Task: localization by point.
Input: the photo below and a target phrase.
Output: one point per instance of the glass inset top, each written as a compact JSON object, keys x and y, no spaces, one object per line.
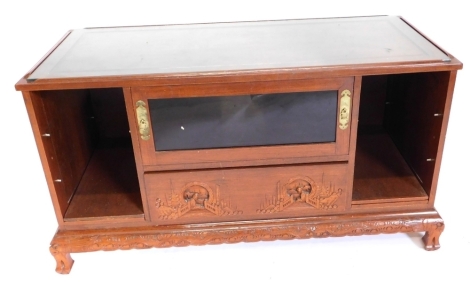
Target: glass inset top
{"x":220,"y":47}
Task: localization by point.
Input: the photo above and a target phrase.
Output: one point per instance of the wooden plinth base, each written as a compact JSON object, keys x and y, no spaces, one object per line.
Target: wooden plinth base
{"x":66,"y":242}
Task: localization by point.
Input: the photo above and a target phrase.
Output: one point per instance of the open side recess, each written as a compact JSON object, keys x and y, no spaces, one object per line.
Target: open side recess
{"x":400,"y":121}
{"x":86,"y":134}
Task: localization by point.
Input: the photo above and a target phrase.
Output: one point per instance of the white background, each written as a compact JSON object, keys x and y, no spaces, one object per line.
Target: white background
{"x":30,"y":28}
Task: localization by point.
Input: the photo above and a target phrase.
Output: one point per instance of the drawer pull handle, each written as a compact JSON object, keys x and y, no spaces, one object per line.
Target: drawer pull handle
{"x":344,"y":109}
{"x":142,"y":120}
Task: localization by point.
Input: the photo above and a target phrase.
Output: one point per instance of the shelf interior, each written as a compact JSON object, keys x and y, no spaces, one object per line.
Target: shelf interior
{"x":381,"y":174}
{"x":89,"y":149}
{"x":400,"y":121}
{"x":109,"y":187}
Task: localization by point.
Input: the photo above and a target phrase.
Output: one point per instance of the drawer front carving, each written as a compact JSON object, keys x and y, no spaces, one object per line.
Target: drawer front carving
{"x":302,"y":190}
{"x":193,"y":196}
{"x":246,"y":193}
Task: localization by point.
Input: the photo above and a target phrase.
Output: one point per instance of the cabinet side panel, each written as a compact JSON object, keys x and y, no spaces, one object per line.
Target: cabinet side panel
{"x":414,"y":119}
{"x":445,"y":121}
{"x":68,"y":117}
{"x":37,"y":116}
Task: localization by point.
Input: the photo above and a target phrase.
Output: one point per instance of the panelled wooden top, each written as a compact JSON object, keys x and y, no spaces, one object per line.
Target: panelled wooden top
{"x":111,"y":54}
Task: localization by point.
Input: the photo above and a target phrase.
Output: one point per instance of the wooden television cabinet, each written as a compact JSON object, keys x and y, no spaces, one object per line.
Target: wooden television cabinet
{"x":181,"y":135}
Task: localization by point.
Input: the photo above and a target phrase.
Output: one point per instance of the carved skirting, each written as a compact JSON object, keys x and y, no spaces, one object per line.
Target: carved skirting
{"x":66,"y":242}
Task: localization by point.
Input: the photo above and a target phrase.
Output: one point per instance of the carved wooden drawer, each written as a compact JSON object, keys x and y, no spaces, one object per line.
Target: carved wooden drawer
{"x":246,"y":193}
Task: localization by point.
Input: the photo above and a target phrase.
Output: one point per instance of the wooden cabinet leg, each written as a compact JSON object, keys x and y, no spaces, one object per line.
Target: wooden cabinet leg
{"x":64,"y":261}
{"x":431,"y":240}
{"x":431,"y":237}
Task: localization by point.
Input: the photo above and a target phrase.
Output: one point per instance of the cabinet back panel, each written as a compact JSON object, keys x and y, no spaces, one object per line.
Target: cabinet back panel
{"x":110,"y":117}
{"x":372,"y":107}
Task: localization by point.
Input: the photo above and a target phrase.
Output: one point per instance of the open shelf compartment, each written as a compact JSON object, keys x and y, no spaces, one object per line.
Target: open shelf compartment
{"x":109,"y":187}
{"x":400,"y":121}
{"x":381,"y":174}
{"x":89,"y":151}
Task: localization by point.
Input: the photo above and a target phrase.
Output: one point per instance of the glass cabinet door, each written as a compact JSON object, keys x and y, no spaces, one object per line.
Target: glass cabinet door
{"x":232,"y":123}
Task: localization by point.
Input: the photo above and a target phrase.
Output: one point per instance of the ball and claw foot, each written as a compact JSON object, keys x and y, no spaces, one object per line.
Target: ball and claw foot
{"x":64,"y":262}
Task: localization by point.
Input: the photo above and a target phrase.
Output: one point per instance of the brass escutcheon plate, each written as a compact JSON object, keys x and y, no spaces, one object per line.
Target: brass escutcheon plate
{"x":344,"y":109}
{"x":142,"y":120}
